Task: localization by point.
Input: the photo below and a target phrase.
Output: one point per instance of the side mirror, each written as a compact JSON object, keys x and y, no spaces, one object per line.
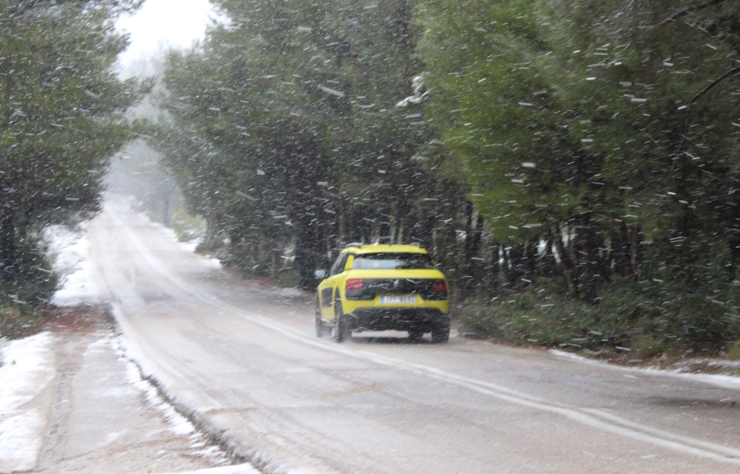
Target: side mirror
{"x":320,"y":274}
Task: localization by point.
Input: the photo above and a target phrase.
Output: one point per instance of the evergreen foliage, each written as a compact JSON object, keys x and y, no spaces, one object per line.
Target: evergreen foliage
{"x":285,"y":133}
{"x":61,"y":118}
{"x":607,"y":132}
{"x":574,"y":162}
{"x":579,"y":151}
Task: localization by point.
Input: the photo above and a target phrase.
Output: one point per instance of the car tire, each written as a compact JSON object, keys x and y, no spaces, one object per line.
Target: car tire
{"x":341,"y":331}
{"x":416,"y":335}
{"x":441,"y":331}
{"x":319,"y":322}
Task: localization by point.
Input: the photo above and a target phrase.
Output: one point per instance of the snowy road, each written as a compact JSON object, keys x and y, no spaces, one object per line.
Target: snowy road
{"x":245,"y":362}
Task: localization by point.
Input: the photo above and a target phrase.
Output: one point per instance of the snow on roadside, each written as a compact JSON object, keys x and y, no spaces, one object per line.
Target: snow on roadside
{"x":188,"y":246}
{"x":724,"y":381}
{"x":179,"y":424}
{"x":237,"y":469}
{"x":71,"y":251}
{"x":289,"y":292}
{"x":568,"y":355}
{"x":26,"y":370}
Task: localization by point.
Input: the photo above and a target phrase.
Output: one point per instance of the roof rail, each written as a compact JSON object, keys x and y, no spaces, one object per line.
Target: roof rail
{"x":354,"y":244}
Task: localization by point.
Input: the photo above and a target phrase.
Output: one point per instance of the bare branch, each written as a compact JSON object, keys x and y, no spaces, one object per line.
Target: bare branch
{"x":688,"y":11}
{"x":732,"y":72}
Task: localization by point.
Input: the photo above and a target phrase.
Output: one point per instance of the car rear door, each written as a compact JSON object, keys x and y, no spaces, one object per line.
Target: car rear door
{"x":328,"y":287}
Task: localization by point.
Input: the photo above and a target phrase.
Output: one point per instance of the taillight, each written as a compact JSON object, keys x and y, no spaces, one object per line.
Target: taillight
{"x":353,"y":284}
{"x":439,"y":285}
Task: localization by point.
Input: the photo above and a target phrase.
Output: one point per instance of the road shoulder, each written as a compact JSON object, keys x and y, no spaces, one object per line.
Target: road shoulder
{"x":77,"y":404}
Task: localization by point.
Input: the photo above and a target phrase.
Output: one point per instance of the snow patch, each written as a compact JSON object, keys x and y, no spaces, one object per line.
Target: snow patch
{"x":724,"y":381}
{"x":72,"y":261}
{"x":187,"y":246}
{"x":26,"y":370}
{"x":568,"y":355}
{"x":179,"y":424}
{"x":288,"y":292}
{"x":239,"y":469}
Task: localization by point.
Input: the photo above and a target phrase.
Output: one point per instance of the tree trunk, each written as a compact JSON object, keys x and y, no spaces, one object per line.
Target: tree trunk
{"x":495,"y":264}
{"x":636,"y":238}
{"x":468,"y":249}
{"x":547,"y":261}
{"x":274,"y":265}
{"x":8,"y":249}
{"x":569,"y":269}
{"x":426,"y":231}
{"x":384,"y":230}
{"x":514,"y":265}
{"x":477,"y":237}
{"x":447,"y":242}
{"x":399,"y":230}
{"x":342,"y":225}
{"x":308,"y":252}
{"x":587,"y":246}
{"x":620,"y":251}
{"x":210,"y":241}
{"x":529,"y":262}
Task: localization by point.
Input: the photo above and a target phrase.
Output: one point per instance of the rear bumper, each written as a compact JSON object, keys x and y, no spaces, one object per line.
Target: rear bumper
{"x":400,"y":319}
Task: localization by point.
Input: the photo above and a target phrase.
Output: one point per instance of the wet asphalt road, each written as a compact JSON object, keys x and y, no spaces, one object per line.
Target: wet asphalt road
{"x":243,"y":360}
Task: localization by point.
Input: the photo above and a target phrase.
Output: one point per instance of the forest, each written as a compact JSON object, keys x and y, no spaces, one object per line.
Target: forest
{"x":571,"y":165}
{"x":62,"y":117}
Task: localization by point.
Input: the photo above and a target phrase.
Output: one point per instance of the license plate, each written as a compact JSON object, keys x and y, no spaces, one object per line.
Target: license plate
{"x":398,"y":299}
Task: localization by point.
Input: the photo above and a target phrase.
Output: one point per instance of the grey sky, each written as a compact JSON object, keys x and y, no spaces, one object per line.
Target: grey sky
{"x":163,"y":23}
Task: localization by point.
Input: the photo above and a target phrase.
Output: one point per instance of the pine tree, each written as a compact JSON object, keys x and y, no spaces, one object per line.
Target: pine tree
{"x":61,"y":118}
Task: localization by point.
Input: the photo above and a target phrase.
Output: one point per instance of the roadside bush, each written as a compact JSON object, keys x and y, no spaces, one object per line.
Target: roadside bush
{"x":33,"y":282}
{"x":188,"y":228}
{"x":26,"y":291}
{"x":647,"y":319}
{"x":733,"y":352}
{"x":288,"y":278}
{"x":534,"y":315}
{"x":17,"y":322}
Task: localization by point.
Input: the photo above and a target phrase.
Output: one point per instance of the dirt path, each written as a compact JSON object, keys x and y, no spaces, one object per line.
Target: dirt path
{"x":104,"y":418}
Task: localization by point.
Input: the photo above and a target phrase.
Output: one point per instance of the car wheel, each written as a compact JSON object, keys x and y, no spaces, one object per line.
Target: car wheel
{"x":341,"y":331}
{"x":319,"y":322}
{"x":415,"y":335}
{"x":441,"y":331}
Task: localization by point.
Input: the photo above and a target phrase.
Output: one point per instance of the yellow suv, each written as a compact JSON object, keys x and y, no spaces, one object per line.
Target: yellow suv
{"x":383,"y":287}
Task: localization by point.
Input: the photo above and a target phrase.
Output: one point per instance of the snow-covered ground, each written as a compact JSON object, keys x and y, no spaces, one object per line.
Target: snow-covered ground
{"x":25,"y":371}
{"x":25,"y":393}
{"x":725,"y":381}
{"x":71,"y":252}
{"x":27,"y":367}
{"x":189,"y":246}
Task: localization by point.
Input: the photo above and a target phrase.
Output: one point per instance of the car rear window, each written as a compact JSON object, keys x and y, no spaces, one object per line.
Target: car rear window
{"x":392,"y":261}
